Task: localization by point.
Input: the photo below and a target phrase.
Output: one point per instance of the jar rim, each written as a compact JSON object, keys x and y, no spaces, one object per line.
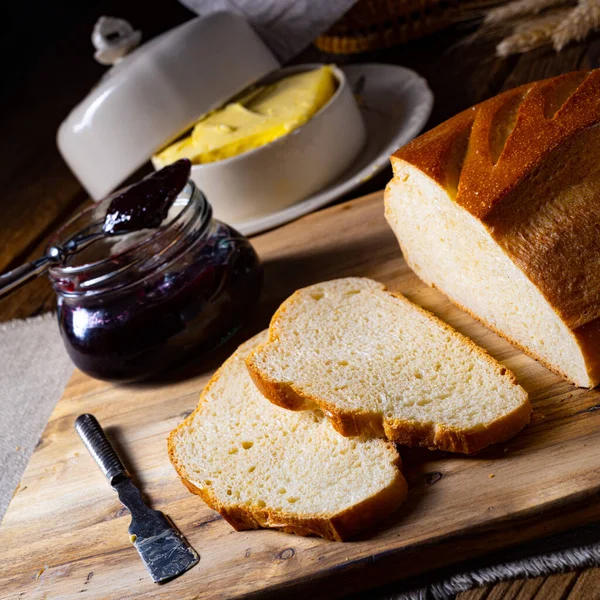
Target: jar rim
{"x":190,"y":190}
{"x":196,"y":210}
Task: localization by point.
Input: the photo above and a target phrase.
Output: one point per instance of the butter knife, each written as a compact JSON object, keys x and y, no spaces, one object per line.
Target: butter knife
{"x":163,"y":549}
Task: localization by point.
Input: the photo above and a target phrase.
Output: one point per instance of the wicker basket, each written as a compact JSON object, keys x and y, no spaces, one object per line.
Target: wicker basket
{"x":374,"y":24}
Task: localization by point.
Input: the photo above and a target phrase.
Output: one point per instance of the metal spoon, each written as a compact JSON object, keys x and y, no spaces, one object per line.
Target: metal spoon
{"x":55,"y":255}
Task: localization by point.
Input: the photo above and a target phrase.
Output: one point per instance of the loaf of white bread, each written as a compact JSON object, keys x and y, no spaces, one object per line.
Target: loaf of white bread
{"x":378,"y":365}
{"x":259,"y":465}
{"x":499,"y":208}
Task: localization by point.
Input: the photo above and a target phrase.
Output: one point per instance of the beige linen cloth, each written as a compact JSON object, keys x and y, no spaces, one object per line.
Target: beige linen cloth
{"x":34,"y":369}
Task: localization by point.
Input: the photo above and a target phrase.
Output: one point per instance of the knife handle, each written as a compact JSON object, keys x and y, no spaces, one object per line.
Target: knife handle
{"x":95,"y":440}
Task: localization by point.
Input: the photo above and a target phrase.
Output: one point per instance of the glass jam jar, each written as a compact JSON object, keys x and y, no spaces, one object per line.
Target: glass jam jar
{"x":130,"y":306}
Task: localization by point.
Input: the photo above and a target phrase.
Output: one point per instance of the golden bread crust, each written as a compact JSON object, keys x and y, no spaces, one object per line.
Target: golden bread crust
{"x":588,"y":338}
{"x":483,"y":182}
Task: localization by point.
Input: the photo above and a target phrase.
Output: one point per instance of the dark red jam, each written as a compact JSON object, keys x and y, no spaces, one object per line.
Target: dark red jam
{"x":154,"y":300}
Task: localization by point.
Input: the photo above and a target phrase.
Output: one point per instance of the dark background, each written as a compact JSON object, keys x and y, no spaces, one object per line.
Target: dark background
{"x":49,"y":67}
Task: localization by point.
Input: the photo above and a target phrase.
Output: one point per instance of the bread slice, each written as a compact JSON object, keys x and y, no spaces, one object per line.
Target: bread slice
{"x":259,"y":465}
{"x":499,"y":208}
{"x":377,"y":364}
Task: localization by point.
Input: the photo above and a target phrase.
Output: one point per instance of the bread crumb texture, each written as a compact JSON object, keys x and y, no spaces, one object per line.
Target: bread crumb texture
{"x":262,"y":466}
{"x":379,"y":365}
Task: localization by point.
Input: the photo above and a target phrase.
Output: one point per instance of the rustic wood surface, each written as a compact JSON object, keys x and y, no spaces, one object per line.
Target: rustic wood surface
{"x":39,"y":192}
{"x":65,"y":530}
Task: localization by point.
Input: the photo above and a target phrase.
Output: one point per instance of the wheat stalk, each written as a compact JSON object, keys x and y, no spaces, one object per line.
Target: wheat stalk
{"x":532,"y":33}
{"x":580,"y":21}
{"x":502,"y":14}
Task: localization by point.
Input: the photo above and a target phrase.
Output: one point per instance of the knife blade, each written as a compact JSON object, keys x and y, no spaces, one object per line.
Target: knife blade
{"x":161,"y":546}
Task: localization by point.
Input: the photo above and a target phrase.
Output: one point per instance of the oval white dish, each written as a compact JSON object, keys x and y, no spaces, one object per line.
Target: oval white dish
{"x":272,"y":177}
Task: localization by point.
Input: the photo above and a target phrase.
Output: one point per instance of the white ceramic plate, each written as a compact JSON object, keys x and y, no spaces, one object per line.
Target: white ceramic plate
{"x":395,"y":103}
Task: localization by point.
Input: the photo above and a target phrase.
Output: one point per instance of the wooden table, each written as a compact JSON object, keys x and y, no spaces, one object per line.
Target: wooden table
{"x":39,"y":192}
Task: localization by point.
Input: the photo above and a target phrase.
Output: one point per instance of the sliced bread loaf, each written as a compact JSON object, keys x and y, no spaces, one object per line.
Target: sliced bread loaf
{"x":499,"y":208}
{"x":377,"y":364}
{"x":259,"y":465}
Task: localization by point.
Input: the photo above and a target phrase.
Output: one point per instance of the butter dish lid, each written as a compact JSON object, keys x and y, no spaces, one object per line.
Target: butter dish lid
{"x":156,"y":92}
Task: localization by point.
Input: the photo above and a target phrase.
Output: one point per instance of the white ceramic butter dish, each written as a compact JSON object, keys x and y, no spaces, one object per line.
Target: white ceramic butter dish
{"x":156,"y":93}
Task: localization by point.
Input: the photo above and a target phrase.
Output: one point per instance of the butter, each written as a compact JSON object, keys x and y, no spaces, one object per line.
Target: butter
{"x":261,"y":116}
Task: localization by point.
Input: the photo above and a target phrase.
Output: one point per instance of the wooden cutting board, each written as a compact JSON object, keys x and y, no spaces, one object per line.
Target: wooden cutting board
{"x":65,"y":533}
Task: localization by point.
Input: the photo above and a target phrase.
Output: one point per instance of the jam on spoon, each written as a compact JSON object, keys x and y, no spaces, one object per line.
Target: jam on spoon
{"x":146,"y":204}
